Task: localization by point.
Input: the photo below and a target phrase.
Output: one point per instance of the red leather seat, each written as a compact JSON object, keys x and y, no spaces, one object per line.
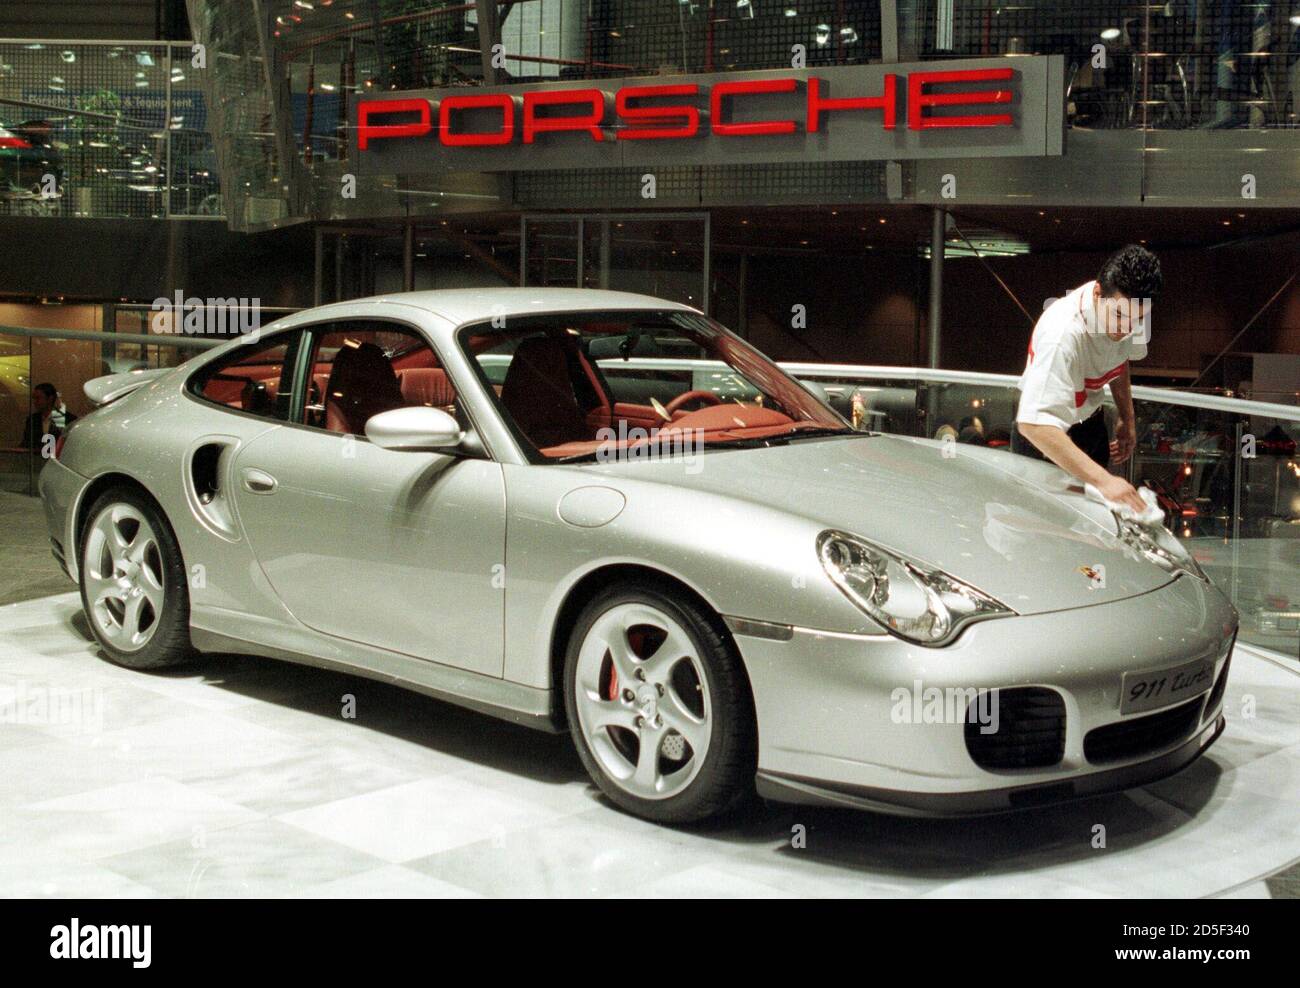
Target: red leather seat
{"x":426,"y":386}
{"x":538,"y":394}
{"x":361,"y":384}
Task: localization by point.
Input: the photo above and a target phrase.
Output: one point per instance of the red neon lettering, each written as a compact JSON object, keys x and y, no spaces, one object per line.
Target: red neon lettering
{"x":366,"y":131}
{"x":501,"y":101}
{"x":589,"y":121}
{"x":918,"y":100}
{"x":817,"y":104}
{"x":724,"y":89}
{"x":657,"y":121}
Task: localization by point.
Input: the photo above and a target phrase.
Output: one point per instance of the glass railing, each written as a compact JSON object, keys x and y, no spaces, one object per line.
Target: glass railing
{"x":34,"y":361}
{"x":31,"y":358}
{"x":1225,"y":470}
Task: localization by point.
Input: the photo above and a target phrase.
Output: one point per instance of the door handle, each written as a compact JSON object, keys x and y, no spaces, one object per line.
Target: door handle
{"x":258,"y":481}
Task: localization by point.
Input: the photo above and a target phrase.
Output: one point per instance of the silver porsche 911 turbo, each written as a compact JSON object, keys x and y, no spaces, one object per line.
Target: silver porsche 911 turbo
{"x":605,"y":513}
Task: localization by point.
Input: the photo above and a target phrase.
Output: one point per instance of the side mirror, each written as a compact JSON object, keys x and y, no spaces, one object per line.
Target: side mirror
{"x":417,"y":428}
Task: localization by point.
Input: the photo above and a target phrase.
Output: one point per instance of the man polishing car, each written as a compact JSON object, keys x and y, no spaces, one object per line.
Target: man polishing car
{"x":1082,"y":344}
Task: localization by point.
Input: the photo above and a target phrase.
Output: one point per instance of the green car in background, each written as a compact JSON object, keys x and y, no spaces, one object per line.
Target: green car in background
{"x":15,"y":388}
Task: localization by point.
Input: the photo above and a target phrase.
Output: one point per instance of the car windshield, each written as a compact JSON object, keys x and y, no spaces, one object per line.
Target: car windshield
{"x":597,"y":385}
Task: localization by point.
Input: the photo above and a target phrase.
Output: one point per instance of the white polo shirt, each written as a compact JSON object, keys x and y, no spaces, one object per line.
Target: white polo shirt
{"x":1071,"y":360}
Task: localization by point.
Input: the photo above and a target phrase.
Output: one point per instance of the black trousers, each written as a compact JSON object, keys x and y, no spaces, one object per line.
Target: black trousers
{"x":1090,"y":435}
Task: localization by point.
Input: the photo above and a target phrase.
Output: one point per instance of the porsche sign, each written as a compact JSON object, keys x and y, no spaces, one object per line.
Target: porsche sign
{"x":950,"y":109}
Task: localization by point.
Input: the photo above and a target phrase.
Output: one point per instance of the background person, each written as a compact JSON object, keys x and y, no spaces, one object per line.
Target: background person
{"x":1081,"y":345}
{"x":49,"y":417}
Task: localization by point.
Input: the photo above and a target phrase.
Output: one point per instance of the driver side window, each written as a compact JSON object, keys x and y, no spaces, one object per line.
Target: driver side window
{"x":359,"y":369}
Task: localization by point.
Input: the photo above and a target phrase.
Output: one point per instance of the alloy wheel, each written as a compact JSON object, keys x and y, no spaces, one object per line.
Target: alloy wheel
{"x":643,"y":701}
{"x":124,"y":577}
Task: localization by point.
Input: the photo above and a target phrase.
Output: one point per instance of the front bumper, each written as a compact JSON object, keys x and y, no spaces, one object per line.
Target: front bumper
{"x":838,"y":722}
{"x":788,"y":789}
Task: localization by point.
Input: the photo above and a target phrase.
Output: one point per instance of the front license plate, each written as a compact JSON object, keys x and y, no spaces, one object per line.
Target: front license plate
{"x":1163,"y":687}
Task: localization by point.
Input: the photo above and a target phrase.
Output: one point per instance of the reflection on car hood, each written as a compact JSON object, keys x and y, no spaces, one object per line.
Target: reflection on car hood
{"x":1014,"y":527}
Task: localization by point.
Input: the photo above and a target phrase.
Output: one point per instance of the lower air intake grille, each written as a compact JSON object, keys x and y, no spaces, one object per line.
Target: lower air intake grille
{"x":1030,"y":728}
{"x":1141,"y":735}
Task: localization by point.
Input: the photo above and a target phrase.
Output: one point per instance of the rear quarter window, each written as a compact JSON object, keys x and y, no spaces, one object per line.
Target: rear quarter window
{"x":251,"y":378}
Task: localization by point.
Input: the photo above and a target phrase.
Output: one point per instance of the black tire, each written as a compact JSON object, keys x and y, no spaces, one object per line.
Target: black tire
{"x":169,"y":643}
{"x":726,"y":777}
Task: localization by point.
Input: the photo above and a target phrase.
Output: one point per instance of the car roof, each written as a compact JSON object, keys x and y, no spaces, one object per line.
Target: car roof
{"x":462,"y":305}
{"x":458,"y":306}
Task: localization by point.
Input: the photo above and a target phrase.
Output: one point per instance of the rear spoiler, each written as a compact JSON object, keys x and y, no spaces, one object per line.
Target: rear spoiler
{"x":102,"y":390}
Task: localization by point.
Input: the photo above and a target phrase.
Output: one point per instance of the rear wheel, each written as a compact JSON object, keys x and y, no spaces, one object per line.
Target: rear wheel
{"x":133,"y":585}
{"x":659,"y":706}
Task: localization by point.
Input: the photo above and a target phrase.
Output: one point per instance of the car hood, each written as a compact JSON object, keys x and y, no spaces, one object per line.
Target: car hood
{"x":1016,"y":528}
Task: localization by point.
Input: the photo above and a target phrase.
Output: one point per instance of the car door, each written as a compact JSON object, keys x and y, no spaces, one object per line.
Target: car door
{"x":403,"y":551}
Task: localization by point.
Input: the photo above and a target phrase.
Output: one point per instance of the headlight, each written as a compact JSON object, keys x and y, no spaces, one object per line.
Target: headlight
{"x":909,"y":599}
{"x":1159,"y":546}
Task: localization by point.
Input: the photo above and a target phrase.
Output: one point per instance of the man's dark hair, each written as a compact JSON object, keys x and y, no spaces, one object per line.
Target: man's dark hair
{"x":1133,"y":272}
{"x":49,"y":390}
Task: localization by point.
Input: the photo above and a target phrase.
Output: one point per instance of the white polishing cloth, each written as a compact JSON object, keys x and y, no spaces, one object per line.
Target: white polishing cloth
{"x":1151,"y":516}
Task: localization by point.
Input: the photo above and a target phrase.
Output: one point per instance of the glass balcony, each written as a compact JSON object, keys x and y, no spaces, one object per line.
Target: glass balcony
{"x":104,"y":130}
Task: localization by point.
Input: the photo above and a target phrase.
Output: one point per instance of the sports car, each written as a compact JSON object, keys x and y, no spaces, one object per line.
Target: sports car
{"x":604,"y":513}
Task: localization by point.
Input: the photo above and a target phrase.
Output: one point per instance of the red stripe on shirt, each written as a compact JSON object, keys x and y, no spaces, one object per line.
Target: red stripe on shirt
{"x":1093,"y":383}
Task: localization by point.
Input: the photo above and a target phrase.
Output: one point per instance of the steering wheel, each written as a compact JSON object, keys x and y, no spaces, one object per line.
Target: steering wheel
{"x":708,"y":397}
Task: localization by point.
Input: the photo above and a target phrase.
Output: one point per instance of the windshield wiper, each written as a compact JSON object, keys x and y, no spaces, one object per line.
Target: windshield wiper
{"x":576,"y":457}
{"x":818,"y":433}
{"x":739,"y":442}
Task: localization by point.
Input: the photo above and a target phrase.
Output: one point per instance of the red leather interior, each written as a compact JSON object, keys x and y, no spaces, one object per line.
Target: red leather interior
{"x":321,"y":381}
{"x":426,"y":386}
{"x":361,"y":384}
{"x":233,"y":386}
{"x":730,"y":417}
{"x":725,"y":421}
{"x":643,"y":416}
{"x":538,"y":394}
{"x":421,"y":356}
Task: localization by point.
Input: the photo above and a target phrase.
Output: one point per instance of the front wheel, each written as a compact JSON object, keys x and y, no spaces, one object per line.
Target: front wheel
{"x":133,"y":585}
{"x":659,"y":706}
